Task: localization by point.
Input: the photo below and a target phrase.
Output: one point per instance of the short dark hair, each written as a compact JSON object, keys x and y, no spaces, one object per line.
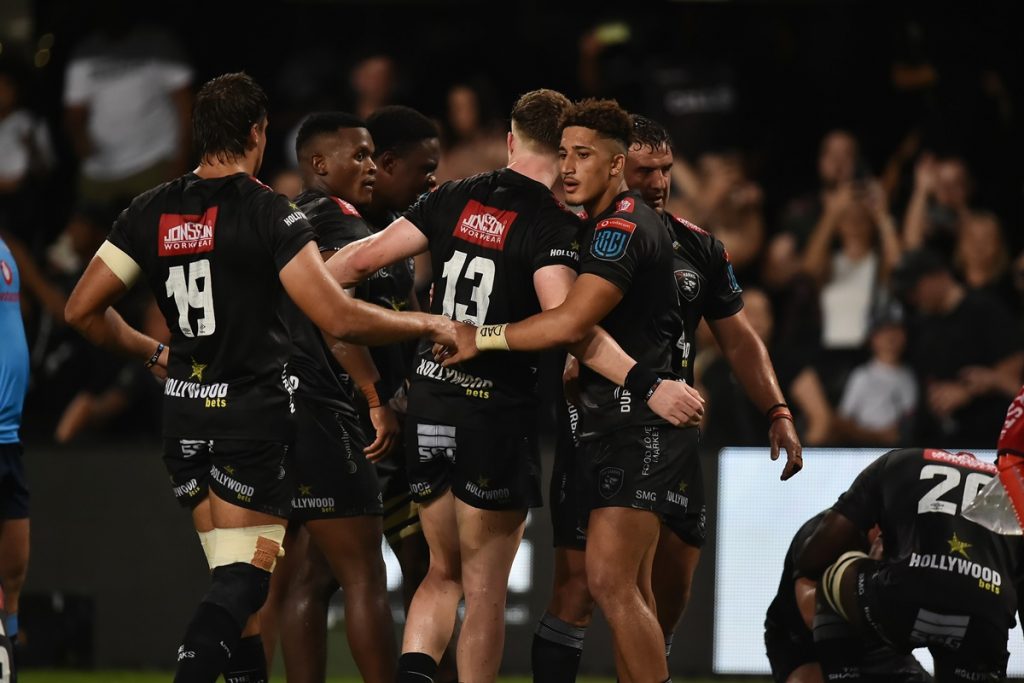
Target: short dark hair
{"x":604,"y":116}
{"x":537,"y":115}
{"x":224,"y":112}
{"x":322,"y":122}
{"x":396,"y":128}
{"x":649,"y":133}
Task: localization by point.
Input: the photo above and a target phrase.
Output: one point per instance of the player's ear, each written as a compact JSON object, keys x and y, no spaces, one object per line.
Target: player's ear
{"x":319,"y":163}
{"x":510,"y":141}
{"x":386,"y":162}
{"x":618,"y":163}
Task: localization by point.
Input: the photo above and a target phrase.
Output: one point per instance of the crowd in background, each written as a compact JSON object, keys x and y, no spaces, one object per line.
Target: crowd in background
{"x":885,"y":273}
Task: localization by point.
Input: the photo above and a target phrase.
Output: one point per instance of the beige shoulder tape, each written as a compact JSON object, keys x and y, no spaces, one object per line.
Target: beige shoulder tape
{"x":120,"y":263}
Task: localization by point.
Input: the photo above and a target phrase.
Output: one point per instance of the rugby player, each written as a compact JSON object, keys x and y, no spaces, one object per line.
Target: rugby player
{"x":14,"y":497}
{"x":943,"y":582}
{"x":708,"y":290}
{"x":219,"y":250}
{"x":633,"y":457}
{"x":789,"y":641}
{"x":502,"y":248}
{"x":337,"y":501}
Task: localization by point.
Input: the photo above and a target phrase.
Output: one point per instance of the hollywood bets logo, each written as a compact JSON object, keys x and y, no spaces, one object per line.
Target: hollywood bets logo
{"x":484,"y":225}
{"x":186,"y":234}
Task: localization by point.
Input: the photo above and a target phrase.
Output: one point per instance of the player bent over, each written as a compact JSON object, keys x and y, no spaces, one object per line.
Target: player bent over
{"x":219,"y":249}
{"x":943,"y":582}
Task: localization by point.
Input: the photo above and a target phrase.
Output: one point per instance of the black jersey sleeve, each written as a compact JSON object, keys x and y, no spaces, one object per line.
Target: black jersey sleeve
{"x":726,"y":294}
{"x":420,"y":214}
{"x":284,"y":228}
{"x":557,"y":241}
{"x":862,"y":503}
{"x":618,"y":249}
{"x":337,"y":229}
{"x":120,"y":235}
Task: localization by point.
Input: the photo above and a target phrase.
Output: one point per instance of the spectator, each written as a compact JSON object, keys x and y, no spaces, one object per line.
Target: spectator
{"x":732,"y":420}
{"x":287,"y":182}
{"x":473,"y":142}
{"x":938,"y":205}
{"x":966,"y":352}
{"x":880,"y":397}
{"x":718,"y":195}
{"x":982,"y":258}
{"x":838,"y":164}
{"x":128,"y":104}
{"x":374,"y":82}
{"x":850,"y":254}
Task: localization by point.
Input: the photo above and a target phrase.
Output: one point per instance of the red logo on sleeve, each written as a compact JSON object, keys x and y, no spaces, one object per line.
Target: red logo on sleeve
{"x":346,"y":208}
{"x":963,"y":459}
{"x":186,"y":234}
{"x":484,"y":225}
{"x":625,"y":205}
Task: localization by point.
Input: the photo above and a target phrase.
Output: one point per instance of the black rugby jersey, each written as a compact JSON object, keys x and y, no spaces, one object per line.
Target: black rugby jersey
{"x":783,"y":613}
{"x":629,"y":245}
{"x":211,"y":251}
{"x":937,"y":557}
{"x":706,"y":282}
{"x":488,"y":234}
{"x":318,"y":376}
{"x":391,"y":287}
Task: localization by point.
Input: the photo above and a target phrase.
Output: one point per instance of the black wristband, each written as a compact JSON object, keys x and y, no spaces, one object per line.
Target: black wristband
{"x":642,"y":382}
{"x":156,"y":355}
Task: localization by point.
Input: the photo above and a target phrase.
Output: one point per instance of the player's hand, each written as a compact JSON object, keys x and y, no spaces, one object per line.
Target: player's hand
{"x":571,"y":380}
{"x":463,"y":348}
{"x":782,"y":434}
{"x":385,"y":422}
{"x":442,"y":330}
{"x":159,"y":369}
{"x":677,"y":402}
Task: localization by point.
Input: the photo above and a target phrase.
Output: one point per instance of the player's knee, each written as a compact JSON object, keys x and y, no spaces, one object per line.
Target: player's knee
{"x":241,"y":560}
{"x":609,"y":583}
{"x":240,"y":589}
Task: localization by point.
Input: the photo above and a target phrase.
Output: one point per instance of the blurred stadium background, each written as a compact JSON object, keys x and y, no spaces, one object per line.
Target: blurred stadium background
{"x":776,"y":107}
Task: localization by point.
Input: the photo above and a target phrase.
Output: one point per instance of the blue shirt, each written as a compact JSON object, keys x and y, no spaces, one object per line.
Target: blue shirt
{"x":13,"y":349}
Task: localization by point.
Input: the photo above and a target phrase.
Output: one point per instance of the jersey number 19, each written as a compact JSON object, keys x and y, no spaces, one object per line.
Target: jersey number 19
{"x":188,"y":294}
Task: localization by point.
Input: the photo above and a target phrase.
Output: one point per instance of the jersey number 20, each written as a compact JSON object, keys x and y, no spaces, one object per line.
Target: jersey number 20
{"x":481,"y":294}
{"x":188,"y":294}
{"x":930,"y":502}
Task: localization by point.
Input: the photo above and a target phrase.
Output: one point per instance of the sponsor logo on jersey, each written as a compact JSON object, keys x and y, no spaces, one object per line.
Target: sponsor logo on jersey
{"x":690,"y":226}
{"x":625,"y":205}
{"x":988,"y":579}
{"x":734,"y":284}
{"x":962,"y":459}
{"x":688,"y":283}
{"x":678,"y":497}
{"x":186,"y":233}
{"x":6,"y":272}
{"x":611,"y":236}
{"x":189,"y":489}
{"x":292,"y":218}
{"x":307,"y":501}
{"x":428,"y":368}
{"x":191,"y":447}
{"x":346,"y":208}
{"x":177,"y":388}
{"x":609,"y":481}
{"x":484,"y":225}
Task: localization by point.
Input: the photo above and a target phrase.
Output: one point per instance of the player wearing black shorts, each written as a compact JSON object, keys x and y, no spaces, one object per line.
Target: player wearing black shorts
{"x":501,"y":248}
{"x":707,"y":289}
{"x":788,"y":639}
{"x":335,"y":535}
{"x":943,"y":582}
{"x":630,"y":451}
{"x":219,"y":250}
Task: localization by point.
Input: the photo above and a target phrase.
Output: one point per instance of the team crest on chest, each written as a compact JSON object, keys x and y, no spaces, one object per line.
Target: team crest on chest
{"x":688,"y":283}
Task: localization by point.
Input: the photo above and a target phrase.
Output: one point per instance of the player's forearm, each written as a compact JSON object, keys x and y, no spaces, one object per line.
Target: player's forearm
{"x":557,"y":327}
{"x":602,"y":354}
{"x":371,"y":325}
{"x":352,"y":264}
{"x":107,"y":329}
{"x":357,"y":362}
{"x":752,"y":366}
